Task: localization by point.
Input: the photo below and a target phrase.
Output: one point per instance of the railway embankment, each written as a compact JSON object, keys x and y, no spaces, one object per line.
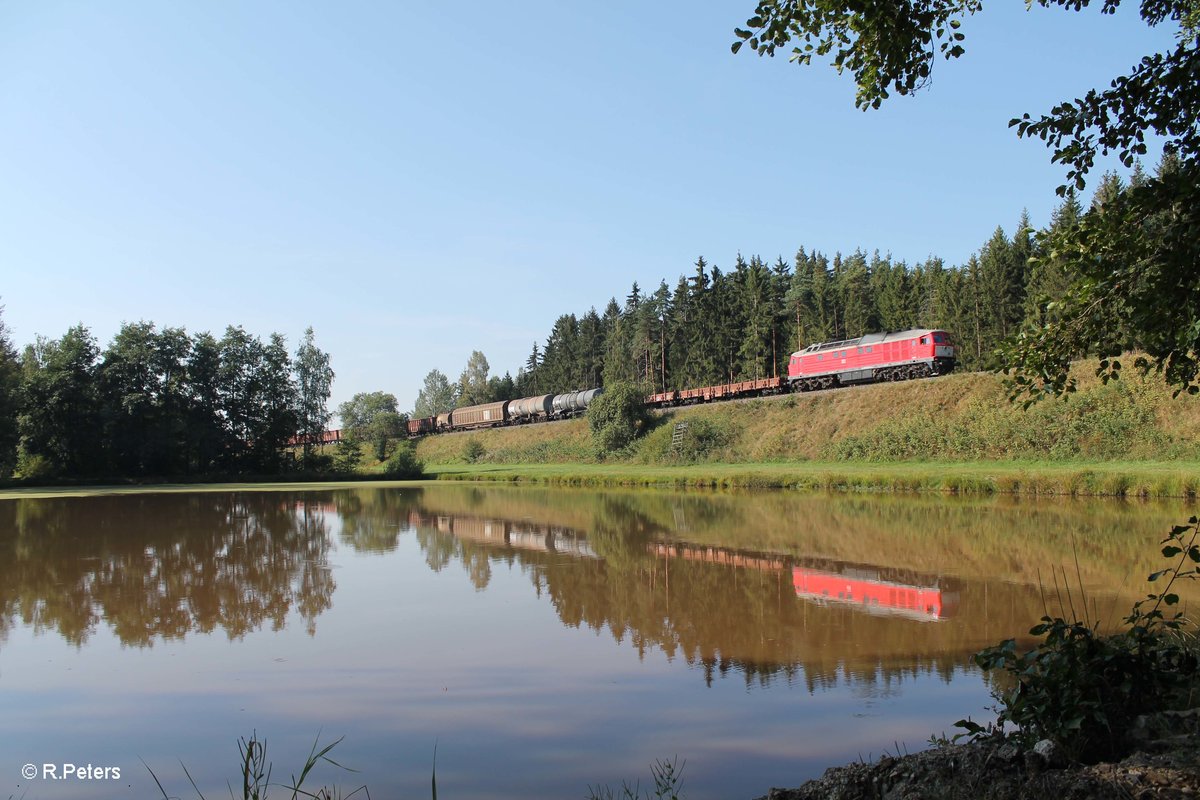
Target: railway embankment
{"x":956,"y":433}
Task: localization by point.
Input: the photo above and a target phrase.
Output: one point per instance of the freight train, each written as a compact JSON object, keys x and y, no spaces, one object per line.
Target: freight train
{"x":895,"y":356}
{"x":539,"y":408}
{"x":917,"y":353}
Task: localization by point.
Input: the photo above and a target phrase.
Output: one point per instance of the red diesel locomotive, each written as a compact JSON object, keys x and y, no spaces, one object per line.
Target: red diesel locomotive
{"x":918,"y":353}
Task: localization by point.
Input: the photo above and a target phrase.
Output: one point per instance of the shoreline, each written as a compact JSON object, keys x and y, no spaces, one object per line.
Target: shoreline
{"x":1140,"y":480}
{"x":1099,"y":479}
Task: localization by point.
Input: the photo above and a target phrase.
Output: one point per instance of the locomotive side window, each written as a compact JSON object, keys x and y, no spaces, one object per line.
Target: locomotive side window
{"x":924,"y":340}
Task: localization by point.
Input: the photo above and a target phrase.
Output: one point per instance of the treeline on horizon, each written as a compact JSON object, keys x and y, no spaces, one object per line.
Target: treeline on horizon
{"x":720,"y":326}
{"x":160,"y":403}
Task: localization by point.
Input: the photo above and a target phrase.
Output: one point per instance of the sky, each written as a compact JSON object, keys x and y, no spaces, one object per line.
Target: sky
{"x":419,"y":180}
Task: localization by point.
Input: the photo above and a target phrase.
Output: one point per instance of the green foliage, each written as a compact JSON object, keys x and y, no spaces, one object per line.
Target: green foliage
{"x":1083,"y":690}
{"x":668,"y":784}
{"x":473,"y":450}
{"x":616,"y":417}
{"x":34,"y":467}
{"x":404,"y":463}
{"x":314,"y":384}
{"x":372,"y":417}
{"x":347,"y":455}
{"x":884,"y":47}
{"x":256,"y":773}
{"x":1133,"y":267}
{"x":702,"y":439}
{"x":437,"y":395}
{"x":10,"y":388}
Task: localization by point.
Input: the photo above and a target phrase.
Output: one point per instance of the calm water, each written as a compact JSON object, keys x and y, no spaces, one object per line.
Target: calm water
{"x":543,"y":640}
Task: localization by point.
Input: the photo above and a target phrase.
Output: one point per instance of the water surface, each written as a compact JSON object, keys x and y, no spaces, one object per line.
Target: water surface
{"x":544,"y":640}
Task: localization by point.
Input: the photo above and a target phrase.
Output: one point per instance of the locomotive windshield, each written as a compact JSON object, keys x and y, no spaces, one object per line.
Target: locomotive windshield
{"x":941,"y":338}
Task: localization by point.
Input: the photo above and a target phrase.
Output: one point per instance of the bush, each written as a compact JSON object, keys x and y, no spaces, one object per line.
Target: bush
{"x":1083,"y":690}
{"x":346,"y":456}
{"x":617,"y":417}
{"x":702,"y":439}
{"x":404,"y":463}
{"x":32,"y":467}
{"x":473,"y":450}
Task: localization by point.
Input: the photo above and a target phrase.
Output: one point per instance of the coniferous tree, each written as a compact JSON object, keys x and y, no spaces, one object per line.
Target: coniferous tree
{"x":679,"y":335}
{"x":701,"y":365}
{"x":618,"y":359}
{"x":591,"y":349}
{"x":755,"y":356}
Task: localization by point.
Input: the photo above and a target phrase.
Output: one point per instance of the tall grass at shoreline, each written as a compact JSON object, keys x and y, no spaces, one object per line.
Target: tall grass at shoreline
{"x":1120,"y":479}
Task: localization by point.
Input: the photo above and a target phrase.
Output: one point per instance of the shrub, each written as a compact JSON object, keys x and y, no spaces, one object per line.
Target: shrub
{"x":1083,"y":690}
{"x":473,"y":450}
{"x":404,"y":463}
{"x":617,"y":417}
{"x":701,"y":440}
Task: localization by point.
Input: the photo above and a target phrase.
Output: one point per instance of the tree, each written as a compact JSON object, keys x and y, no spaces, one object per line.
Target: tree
{"x":61,"y":410}
{"x":141,"y":382}
{"x":277,"y":405}
{"x":10,"y":387}
{"x":437,"y":396}
{"x":372,"y":417}
{"x":1131,"y":261}
{"x":204,"y":426}
{"x":314,"y":384}
{"x":473,"y":383}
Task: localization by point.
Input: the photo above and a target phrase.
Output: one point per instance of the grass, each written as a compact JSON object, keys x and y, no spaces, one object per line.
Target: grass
{"x":667,"y":777}
{"x":1141,"y":479}
{"x":256,"y":774}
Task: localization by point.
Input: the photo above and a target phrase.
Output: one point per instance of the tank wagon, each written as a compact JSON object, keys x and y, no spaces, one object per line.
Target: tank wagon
{"x":538,"y":408}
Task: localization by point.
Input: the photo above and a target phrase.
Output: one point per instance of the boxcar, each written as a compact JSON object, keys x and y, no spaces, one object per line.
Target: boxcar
{"x":484,"y":416}
{"x":416,"y":427}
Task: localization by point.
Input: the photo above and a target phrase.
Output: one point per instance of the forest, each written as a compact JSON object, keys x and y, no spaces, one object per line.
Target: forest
{"x":159,"y":403}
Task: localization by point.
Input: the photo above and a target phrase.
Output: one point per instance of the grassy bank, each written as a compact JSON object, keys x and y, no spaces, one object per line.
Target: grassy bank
{"x":952,"y":434}
{"x":1115,"y":479}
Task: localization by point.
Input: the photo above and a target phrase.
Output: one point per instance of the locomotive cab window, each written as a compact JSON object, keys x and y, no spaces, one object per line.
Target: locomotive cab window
{"x":924,"y":340}
{"x":940,"y":338}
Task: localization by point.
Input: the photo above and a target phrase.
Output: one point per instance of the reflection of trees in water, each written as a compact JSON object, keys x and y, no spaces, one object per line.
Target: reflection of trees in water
{"x":731,"y":618}
{"x":161,"y":566}
{"x":721,"y":618}
{"x":371,"y":518}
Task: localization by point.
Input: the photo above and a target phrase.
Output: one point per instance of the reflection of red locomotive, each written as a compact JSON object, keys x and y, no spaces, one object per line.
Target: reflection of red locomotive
{"x":867,"y":590}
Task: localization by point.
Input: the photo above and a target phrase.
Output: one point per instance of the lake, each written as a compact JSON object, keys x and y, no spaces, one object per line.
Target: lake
{"x":541,"y":640}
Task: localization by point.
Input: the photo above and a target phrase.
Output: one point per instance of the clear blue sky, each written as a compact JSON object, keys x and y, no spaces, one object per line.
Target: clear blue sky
{"x":417,"y":180}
